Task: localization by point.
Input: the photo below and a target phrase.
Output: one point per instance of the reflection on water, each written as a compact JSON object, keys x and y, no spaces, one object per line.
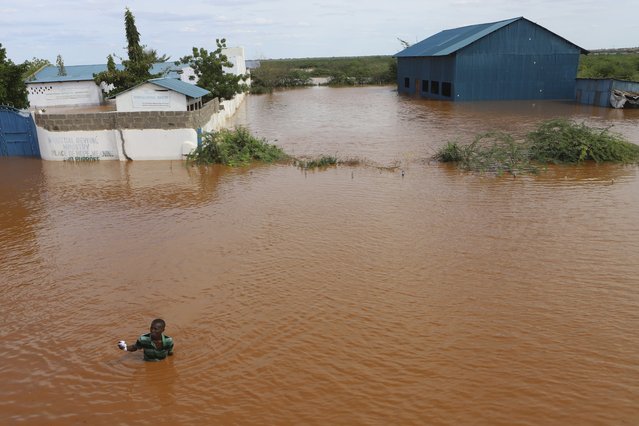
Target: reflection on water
{"x":348,"y":296}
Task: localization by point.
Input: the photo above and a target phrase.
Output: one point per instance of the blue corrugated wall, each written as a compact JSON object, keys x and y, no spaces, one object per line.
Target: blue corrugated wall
{"x":597,"y":92}
{"x":519,"y":61}
{"x":422,"y":72}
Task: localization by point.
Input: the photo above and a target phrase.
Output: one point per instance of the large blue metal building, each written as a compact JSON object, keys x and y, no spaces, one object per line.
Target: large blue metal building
{"x":511,"y":59}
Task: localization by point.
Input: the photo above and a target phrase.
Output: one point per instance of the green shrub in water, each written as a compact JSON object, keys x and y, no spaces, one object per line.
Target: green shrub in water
{"x":554,"y":141}
{"x":494,"y":152}
{"x":316,"y":163}
{"x":234,"y":148}
{"x":564,"y":141}
{"x":449,"y":153}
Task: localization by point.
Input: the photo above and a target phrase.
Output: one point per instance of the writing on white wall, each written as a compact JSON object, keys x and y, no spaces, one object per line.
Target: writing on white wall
{"x":78,"y":148}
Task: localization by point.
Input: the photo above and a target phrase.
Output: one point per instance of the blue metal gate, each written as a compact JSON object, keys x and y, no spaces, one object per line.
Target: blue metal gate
{"x":18,"y":136}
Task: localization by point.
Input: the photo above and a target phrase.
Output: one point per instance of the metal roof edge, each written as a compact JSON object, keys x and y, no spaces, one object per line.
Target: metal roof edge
{"x":158,"y":81}
{"x":154,"y":82}
{"x":492,"y":27}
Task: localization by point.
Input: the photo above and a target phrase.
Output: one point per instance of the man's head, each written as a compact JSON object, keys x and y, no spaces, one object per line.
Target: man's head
{"x":157,"y":328}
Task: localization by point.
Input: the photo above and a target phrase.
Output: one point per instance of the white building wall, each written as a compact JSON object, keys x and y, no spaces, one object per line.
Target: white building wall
{"x":219,"y":120}
{"x":236,"y":56}
{"x":129,"y":144}
{"x":149,"y":97}
{"x":68,"y":93}
{"x":155,"y":144}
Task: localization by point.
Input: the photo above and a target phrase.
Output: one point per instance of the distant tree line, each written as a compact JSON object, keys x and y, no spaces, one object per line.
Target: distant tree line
{"x":349,"y":71}
{"x":622,"y":66}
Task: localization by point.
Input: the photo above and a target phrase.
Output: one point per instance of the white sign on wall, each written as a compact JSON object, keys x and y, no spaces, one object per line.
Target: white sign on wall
{"x":150,"y":99}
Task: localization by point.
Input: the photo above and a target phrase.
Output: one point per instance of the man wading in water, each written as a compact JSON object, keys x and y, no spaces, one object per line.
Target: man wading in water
{"x":155,"y":344}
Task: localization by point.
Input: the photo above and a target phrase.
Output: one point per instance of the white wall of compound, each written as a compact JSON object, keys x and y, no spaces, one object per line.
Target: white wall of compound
{"x":129,"y":144}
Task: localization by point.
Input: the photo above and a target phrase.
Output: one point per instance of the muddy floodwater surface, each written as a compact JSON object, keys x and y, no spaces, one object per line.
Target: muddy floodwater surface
{"x":351,"y":295}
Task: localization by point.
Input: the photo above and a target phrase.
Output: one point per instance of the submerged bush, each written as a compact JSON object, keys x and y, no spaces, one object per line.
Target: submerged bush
{"x":564,"y":141}
{"x":495,"y":152}
{"x":315,"y":163}
{"x":554,"y":141}
{"x":234,"y":148}
{"x":325,"y":161}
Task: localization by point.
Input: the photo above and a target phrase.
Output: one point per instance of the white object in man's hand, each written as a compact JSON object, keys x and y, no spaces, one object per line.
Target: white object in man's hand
{"x":122,"y":345}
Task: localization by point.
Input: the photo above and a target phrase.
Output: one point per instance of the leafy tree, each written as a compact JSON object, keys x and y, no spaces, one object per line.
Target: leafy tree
{"x":136,"y":68}
{"x":154,"y":56}
{"x":110,"y":64}
{"x":13,"y":90}
{"x":209,"y":70}
{"x":134,"y":49}
{"x":60,"y":64}
{"x":33,"y":66}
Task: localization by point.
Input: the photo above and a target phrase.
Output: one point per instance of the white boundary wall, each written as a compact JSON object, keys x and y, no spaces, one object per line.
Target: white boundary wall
{"x":129,"y":144}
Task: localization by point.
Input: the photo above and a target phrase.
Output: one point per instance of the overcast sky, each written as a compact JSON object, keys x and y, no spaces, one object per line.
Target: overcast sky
{"x":86,"y":31}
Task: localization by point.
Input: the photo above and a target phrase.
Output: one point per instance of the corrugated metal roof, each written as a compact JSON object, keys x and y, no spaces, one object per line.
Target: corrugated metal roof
{"x":450,"y":41}
{"x":49,"y":74}
{"x":180,"y":86}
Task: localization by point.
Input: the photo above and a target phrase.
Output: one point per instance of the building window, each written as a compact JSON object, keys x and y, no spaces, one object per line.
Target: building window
{"x":434,"y":87}
{"x":447,"y":89}
{"x":425,"y":86}
{"x":406,"y":82}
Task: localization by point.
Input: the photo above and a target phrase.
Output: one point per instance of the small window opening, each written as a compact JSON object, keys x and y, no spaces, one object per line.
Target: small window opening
{"x":447,"y":89}
{"x":434,"y":87}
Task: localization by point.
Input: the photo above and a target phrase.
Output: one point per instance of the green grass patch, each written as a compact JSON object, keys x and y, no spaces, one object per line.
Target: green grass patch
{"x":557,"y":141}
{"x":235,"y":147}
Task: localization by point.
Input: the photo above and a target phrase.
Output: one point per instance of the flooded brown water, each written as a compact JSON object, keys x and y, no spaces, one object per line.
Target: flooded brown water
{"x":346,"y":296}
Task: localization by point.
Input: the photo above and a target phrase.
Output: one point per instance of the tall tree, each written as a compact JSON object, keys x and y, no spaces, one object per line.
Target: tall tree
{"x":209,"y":70}
{"x":134,"y":49}
{"x":60,"y":64}
{"x":13,"y":90}
{"x":137,"y":68}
